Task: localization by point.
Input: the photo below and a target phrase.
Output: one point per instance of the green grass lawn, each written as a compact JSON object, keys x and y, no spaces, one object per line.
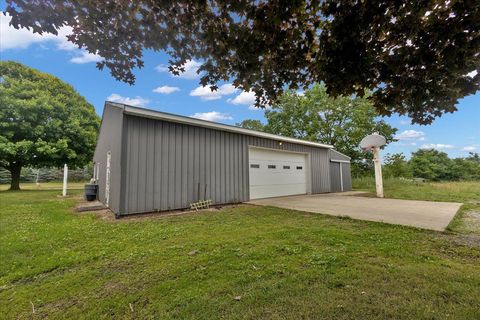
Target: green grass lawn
{"x":240,"y":262}
{"x":462,"y":191}
{"x":45,"y":186}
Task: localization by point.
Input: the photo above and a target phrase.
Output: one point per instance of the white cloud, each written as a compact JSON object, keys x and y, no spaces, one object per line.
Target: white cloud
{"x":162,"y":68}
{"x":247,"y":98}
{"x":205,"y":93}
{"x":406,"y":143}
{"x":166,"y":89}
{"x":137,"y":101}
{"x":244,"y":98}
{"x":11,"y":38}
{"x":471,"y":148}
{"x":212,"y":116}
{"x":191,"y":67}
{"x":86,"y":57}
{"x":411,"y":135}
{"x":253,"y":108}
{"x":437,"y":146}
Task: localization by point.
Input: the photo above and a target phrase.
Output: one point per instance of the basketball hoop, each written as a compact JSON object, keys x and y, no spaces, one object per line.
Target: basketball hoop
{"x":373,"y":143}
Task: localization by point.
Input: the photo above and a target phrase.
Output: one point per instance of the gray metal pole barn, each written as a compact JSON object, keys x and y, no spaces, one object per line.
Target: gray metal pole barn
{"x":149,"y":161}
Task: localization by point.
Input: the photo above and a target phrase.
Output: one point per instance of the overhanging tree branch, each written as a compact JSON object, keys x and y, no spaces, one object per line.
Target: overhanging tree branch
{"x":418,"y":57}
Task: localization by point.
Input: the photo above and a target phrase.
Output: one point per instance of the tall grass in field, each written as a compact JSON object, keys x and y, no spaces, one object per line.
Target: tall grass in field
{"x":456,"y":191}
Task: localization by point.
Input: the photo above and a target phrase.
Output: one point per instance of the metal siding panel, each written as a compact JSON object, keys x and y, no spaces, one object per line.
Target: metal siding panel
{"x":335,"y":177}
{"x":347,"y":178}
{"x":222,"y":167}
{"x":110,"y":138}
{"x":207,"y":164}
{"x":171,"y":166}
{"x":134,"y":170}
{"x":241,"y":181}
{"x":164,"y":170}
{"x":246,"y":179}
{"x":218,"y":197}
{"x":237,"y":179}
{"x":150,"y":167}
{"x":201,"y":164}
{"x":134,"y":167}
{"x":337,"y":156}
{"x":245,"y":168}
{"x":190,"y":180}
{"x":196,"y":167}
{"x":177,"y":168}
{"x":232,"y":168}
{"x":158,"y":166}
{"x":124,"y":167}
{"x":142,"y":161}
{"x":184,"y":165}
{"x":227,"y":167}
{"x":130,"y":167}
{"x":233,"y":175}
{"x":317,"y":173}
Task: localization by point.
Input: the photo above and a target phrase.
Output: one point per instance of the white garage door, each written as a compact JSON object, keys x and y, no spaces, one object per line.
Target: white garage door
{"x":276,"y":173}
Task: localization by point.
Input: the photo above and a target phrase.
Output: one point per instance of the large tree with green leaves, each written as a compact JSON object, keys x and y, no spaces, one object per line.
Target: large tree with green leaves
{"x":44,"y":122}
{"x":316,"y":116}
{"x":417,"y":57}
{"x":396,"y":165}
{"x":432,"y":164}
{"x":435,"y":165}
{"x":251,"y":124}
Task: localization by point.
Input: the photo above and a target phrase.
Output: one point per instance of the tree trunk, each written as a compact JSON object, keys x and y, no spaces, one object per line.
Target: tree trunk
{"x":15,"y":173}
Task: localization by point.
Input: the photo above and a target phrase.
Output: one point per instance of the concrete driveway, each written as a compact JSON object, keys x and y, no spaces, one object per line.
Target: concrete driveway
{"x":421,"y":214}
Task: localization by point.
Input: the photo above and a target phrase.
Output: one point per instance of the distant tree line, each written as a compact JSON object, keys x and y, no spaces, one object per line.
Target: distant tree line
{"x":432,"y":165}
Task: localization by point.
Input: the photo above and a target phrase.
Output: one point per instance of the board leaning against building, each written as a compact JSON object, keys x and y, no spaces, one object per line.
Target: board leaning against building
{"x":148,"y":161}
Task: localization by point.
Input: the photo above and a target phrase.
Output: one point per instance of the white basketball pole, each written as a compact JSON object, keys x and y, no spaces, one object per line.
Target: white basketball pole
{"x":377,"y":161}
{"x":65,"y":178}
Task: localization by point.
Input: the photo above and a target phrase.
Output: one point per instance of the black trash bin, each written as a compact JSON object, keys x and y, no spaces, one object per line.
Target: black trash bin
{"x":91,"y":192}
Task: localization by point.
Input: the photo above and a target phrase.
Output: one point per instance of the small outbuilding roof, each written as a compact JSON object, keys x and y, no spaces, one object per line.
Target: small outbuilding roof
{"x":147,"y":113}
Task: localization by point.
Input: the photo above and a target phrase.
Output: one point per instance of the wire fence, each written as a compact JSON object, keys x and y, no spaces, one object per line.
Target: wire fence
{"x":48,"y":175}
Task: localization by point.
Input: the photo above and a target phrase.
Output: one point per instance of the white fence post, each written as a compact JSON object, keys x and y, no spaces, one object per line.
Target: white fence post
{"x":65,"y":179}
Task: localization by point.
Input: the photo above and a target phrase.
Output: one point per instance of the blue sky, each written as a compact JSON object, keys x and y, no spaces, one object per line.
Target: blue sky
{"x":155,"y":88}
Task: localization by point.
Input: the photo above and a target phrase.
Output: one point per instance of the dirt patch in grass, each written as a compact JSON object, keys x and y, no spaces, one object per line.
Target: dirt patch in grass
{"x":105,"y":215}
{"x":470,"y":240}
{"x":471,"y":222}
{"x":173,"y":213}
{"x":109,"y":216}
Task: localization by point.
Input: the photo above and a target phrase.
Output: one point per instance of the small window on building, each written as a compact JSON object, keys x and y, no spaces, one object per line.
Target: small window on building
{"x":286,"y":167}
{"x":255,"y":166}
{"x":299,"y":168}
{"x":271,"y":166}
